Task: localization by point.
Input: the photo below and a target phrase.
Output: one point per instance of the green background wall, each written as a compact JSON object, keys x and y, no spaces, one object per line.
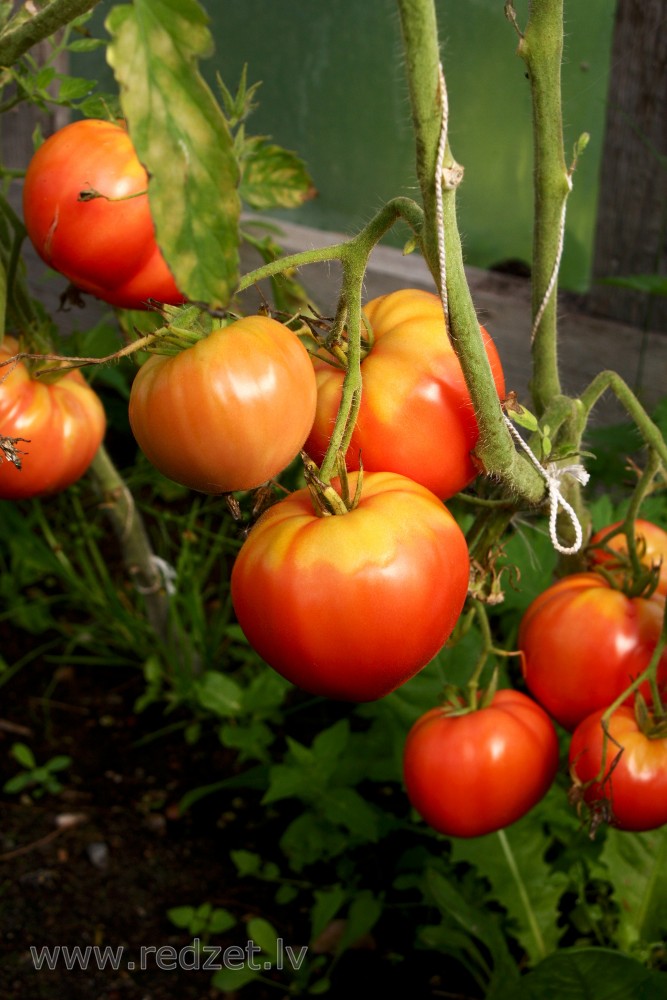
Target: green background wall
{"x":333,"y":89}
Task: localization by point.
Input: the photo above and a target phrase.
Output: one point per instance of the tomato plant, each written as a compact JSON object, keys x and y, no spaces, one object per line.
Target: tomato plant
{"x":61,"y":421}
{"x":416,"y":416}
{"x":633,"y":782}
{"x":350,"y":606}
{"x":85,"y":206}
{"x":473,"y":773}
{"x":652,"y":549}
{"x":229,"y":412}
{"x":584,"y":642}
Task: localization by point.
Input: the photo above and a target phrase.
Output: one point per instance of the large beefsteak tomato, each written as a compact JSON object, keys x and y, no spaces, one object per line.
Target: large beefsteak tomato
{"x":85,"y":206}
{"x":229,"y":412}
{"x":583,"y":643}
{"x":634,"y":781}
{"x":415,"y":416}
{"x":472,"y":774}
{"x":350,"y":606}
{"x":61,"y":421}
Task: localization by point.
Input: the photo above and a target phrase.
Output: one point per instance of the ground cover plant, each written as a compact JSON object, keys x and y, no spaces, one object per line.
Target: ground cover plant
{"x":377,"y":648}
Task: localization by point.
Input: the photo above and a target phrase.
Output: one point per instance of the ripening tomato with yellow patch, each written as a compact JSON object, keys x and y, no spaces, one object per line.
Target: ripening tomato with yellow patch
{"x":415,"y":417}
{"x":611,"y":554}
{"x":352,"y":605}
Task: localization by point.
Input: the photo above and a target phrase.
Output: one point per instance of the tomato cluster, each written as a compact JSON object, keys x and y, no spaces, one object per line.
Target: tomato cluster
{"x":585,"y":642}
{"x":349,"y":601}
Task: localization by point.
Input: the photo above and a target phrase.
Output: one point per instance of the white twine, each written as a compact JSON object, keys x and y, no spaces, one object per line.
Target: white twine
{"x":439,"y":181}
{"x":556,"y":268}
{"x":553,"y":475}
{"x":167,"y":575}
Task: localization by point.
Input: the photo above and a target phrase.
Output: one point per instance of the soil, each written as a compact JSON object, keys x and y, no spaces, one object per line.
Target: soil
{"x":129,"y":855}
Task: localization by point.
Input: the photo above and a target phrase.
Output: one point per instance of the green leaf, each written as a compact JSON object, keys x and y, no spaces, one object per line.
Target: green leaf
{"x":522,"y":881}
{"x":219,"y":694}
{"x":72,"y":88}
{"x":650,"y":284}
{"x":478,"y":925}
{"x":364,"y":912}
{"x":58,"y":763}
{"x":221,"y":920}
{"x":273,"y":177}
{"x":23,"y":755}
{"x":587,"y":974}
{"x":230,"y":980}
{"x":347,"y":808}
{"x":246,"y":862}
{"x":327,"y":904}
{"x":182,"y":138}
{"x":636,"y":864}
{"x":181,"y":916}
{"x":262,"y":933}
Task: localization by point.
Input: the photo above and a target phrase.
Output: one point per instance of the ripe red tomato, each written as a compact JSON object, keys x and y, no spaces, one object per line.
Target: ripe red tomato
{"x":228,"y":413}
{"x":62,"y":421}
{"x":635,"y":787}
{"x":653,"y":545}
{"x":350,"y":606}
{"x":583,"y":643}
{"x":468,"y":775}
{"x":105,"y":246}
{"x":416,"y":416}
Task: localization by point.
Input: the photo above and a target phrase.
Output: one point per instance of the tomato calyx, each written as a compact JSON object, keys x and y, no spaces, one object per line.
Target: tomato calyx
{"x":328,"y":502}
{"x":333,"y":348}
{"x":652,"y":721}
{"x":626,"y":570}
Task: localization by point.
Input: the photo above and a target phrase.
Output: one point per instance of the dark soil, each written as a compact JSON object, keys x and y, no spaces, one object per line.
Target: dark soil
{"x":129,"y":855}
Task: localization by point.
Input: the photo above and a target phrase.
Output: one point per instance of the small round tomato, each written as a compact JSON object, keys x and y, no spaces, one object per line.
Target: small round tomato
{"x":468,"y":775}
{"x":652,"y":543}
{"x":583,"y":643}
{"x":633,"y":785}
{"x":61,"y":421}
{"x":86,"y":211}
{"x":416,"y":416}
{"x":228,"y":413}
{"x":350,"y":606}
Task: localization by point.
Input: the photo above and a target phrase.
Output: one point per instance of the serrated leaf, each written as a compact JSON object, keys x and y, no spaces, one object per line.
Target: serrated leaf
{"x":347,"y":808}
{"x":72,"y":88}
{"x":522,"y":881}
{"x":181,"y":916}
{"x":246,"y":862}
{"x":636,"y":864}
{"x":587,"y":974}
{"x":182,"y":138}
{"x":273,"y":177}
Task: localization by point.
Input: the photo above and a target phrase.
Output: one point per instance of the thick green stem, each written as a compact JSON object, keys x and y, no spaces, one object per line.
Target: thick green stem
{"x":541,"y":49}
{"x":495,"y":450}
{"x":16,"y":41}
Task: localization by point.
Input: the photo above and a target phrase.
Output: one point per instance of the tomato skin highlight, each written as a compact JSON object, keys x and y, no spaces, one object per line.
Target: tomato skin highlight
{"x":228,"y":413}
{"x":63,"y":420}
{"x":636,"y":787}
{"x":583,"y":644}
{"x":654,"y":539}
{"x":104,"y":247}
{"x":351,"y":606}
{"x":416,"y":416}
{"x":469,"y":775}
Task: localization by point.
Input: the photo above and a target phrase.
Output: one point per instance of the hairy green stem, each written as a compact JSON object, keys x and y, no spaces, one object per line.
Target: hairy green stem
{"x":495,"y":450}
{"x":646,"y":427}
{"x":16,"y":41}
{"x":541,"y":48}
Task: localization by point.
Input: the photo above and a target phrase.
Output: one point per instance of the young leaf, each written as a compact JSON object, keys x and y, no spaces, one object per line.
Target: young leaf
{"x":587,"y":974}
{"x":181,"y":136}
{"x":273,"y":177}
